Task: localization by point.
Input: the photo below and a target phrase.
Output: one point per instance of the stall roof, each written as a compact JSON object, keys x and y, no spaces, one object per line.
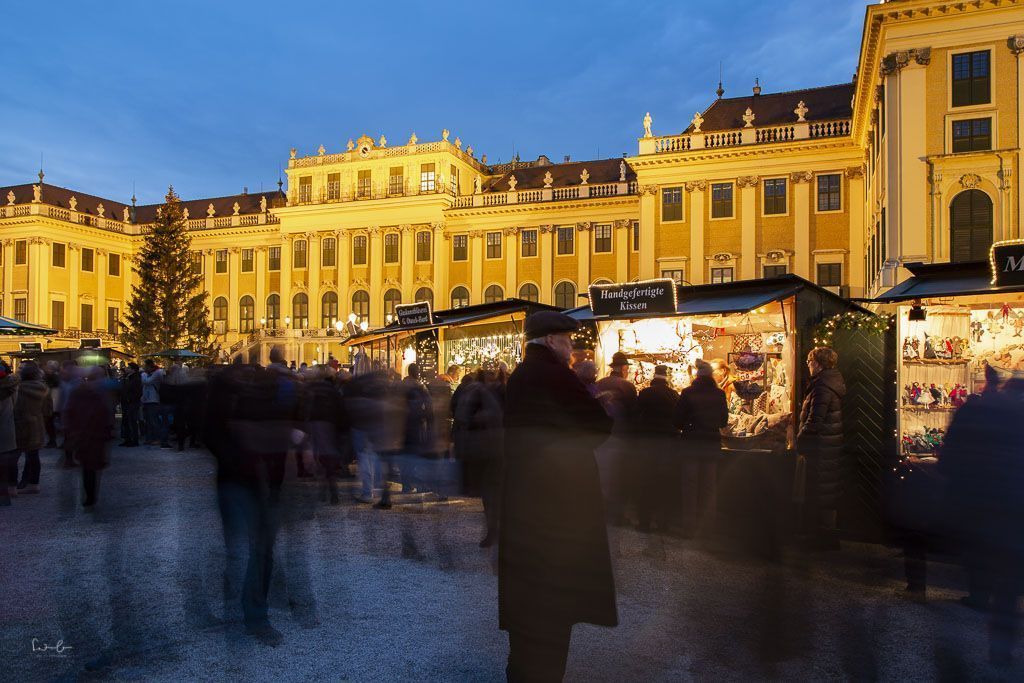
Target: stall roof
{"x":457,"y":316}
{"x":932,"y":280}
{"x":741,"y":296}
{"x":68,"y":353}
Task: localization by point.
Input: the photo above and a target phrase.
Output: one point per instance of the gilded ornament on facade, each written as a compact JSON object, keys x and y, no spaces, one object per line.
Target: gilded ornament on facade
{"x":970,"y":180}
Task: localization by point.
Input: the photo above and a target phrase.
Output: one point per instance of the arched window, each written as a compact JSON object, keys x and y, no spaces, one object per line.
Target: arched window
{"x":602,"y":281}
{"x":273,"y":311}
{"x":300,"y":311}
{"x":492,"y":294}
{"x":361,"y":305}
{"x":970,"y":226}
{"x":220,"y":309}
{"x":565,"y":295}
{"x":460,"y":297}
{"x":392,"y":298}
{"x":529,"y":292}
{"x":329,"y":310}
{"x":425,"y":294}
{"x":246,"y":314}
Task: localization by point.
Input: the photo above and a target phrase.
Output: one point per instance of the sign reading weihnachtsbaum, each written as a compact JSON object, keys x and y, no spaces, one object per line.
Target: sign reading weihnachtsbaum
{"x":1008,"y":263}
{"x":414,"y":314}
{"x":650,"y":296}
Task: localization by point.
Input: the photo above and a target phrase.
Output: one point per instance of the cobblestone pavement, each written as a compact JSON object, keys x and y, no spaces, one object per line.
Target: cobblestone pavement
{"x":135,"y":590}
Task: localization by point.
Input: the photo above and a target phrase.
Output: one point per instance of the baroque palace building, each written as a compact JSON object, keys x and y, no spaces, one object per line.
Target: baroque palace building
{"x":915,"y":159}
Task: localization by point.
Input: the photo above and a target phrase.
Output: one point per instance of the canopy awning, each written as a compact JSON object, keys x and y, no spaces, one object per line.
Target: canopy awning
{"x":741,"y":296}
{"x":498,"y":311}
{"x":12,"y":327}
{"x":936,"y":280}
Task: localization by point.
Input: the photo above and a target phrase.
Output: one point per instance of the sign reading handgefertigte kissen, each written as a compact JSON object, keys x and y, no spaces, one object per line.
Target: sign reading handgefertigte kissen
{"x":1008,"y":263}
{"x":650,"y":296}
{"x":414,"y":314}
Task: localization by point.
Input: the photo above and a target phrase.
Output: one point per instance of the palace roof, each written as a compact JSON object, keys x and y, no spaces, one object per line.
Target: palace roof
{"x":54,"y":195}
{"x":531,"y":176}
{"x":826,"y":103}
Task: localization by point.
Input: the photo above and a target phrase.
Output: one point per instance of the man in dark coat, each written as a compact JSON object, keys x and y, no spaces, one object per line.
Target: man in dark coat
{"x":554,"y":567}
{"x":820,"y":441}
{"x":700,"y":414}
{"x":658,"y":438}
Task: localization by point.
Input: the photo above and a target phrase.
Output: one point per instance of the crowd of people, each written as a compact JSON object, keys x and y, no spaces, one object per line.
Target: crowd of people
{"x":554,"y":452}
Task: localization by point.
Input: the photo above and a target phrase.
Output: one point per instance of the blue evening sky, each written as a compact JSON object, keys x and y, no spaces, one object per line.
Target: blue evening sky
{"x":210,"y":95}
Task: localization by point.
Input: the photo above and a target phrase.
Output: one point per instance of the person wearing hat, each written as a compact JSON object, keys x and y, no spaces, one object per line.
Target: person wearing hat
{"x":701,"y":412}
{"x":658,"y":441}
{"x":618,"y":396}
{"x":554,"y":566}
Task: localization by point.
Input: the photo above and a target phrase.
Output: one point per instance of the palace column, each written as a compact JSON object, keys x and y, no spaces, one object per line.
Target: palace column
{"x":801,"y":182}
{"x":286,"y":277}
{"x":72,"y":312}
{"x":1016,"y":45}
{"x":905,"y":74}
{"x":313,"y":257}
{"x":508,"y":251}
{"x":376,"y":257}
{"x":748,"y":226}
{"x":476,"y":261}
{"x":697,"y":268}
{"x":441,"y":255}
{"x":546,"y":253}
{"x":101,"y":289}
{"x":583,"y":231}
{"x":620,"y":229}
{"x":408,"y":237}
{"x":234,"y":266}
{"x":343,"y":274}
{"x":855,"y":271}
{"x":39,"y":279}
{"x":648,"y":216}
{"x":260,"y":258}
{"x":8,"y":304}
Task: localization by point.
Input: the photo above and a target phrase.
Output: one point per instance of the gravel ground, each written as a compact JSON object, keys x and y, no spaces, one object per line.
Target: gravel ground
{"x":406,"y":594}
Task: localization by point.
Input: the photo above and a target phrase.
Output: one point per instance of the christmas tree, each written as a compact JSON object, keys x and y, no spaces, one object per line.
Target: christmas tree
{"x":168,"y":306}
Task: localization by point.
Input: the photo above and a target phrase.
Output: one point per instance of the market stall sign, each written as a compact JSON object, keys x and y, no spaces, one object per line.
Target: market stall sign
{"x":427,"y":354}
{"x":90,"y":343}
{"x":628,"y":298}
{"x":1007,"y":260}
{"x":31,"y":347}
{"x":414,"y":314}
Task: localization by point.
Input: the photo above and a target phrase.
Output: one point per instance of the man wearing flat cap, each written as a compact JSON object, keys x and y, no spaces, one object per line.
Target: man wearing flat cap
{"x":554,"y":566}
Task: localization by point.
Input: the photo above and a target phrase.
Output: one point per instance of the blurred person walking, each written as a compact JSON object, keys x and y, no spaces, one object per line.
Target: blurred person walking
{"x":481,"y":442}
{"x":131,"y":405}
{"x":90,"y":422}
{"x":554,"y":566}
{"x":8,"y":440}
{"x":700,"y":414}
{"x":618,"y":396}
{"x":152,"y":378}
{"x":658,"y":441}
{"x":819,"y":442}
{"x":32,"y":408}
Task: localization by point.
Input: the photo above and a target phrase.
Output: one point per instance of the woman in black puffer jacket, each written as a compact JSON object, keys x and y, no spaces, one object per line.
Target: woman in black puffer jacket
{"x":820,"y":442}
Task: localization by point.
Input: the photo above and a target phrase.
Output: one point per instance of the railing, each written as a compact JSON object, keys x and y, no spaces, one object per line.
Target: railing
{"x":724,"y":139}
{"x":675,"y":143}
{"x":604,"y":190}
{"x":546,"y":194}
{"x":376,"y":152}
{"x":745,"y":136}
{"x":830,"y":129}
{"x":777,"y":134}
{"x":380,"y":190}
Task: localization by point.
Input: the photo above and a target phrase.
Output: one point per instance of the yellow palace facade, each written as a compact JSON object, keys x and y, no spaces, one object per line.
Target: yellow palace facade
{"x":915,"y":159}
